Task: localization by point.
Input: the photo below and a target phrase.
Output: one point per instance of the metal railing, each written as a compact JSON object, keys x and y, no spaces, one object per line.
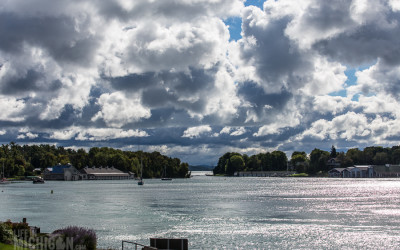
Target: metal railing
{"x":141,"y":246}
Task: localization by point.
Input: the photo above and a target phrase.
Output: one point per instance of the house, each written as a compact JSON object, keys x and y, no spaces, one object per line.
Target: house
{"x":104,"y":173}
{"x":387,"y":171}
{"x":365,"y":171}
{"x":333,"y":163}
{"x":264,"y":173}
{"x":62,"y":173}
{"x":357,"y":171}
{"x":336,"y":172}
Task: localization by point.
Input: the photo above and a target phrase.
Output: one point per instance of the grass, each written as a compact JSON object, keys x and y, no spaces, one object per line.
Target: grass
{"x":299,"y":175}
{"x":10,"y":247}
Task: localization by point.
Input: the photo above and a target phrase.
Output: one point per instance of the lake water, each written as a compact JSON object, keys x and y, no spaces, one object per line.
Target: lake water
{"x":218,"y":212}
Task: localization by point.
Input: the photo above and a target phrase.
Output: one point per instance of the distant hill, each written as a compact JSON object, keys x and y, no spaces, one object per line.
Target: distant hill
{"x":201,"y":168}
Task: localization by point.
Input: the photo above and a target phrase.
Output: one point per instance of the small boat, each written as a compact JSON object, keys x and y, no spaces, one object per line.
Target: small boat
{"x":38,"y":180}
{"x":3,"y":180}
{"x":141,"y":182}
{"x":165,"y":178}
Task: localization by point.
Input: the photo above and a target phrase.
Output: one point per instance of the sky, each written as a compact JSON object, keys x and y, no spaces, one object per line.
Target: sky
{"x":195,"y":79}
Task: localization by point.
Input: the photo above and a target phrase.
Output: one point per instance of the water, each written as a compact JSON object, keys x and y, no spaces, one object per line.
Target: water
{"x":218,"y":212}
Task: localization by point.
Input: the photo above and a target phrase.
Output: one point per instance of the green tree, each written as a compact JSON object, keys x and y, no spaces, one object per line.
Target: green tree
{"x":299,"y":161}
{"x":236,"y":164}
{"x":396,"y":156}
{"x":333,"y":152}
{"x":318,"y":160}
{"x":279,"y":160}
{"x":380,"y":158}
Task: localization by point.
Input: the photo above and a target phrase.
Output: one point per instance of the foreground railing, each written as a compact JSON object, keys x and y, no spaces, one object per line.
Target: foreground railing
{"x":141,"y":246}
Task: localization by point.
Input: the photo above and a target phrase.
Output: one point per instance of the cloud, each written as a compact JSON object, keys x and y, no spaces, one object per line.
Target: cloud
{"x":11,"y":109}
{"x":196,"y":131}
{"x":117,"y":110}
{"x":103,"y":134}
{"x":94,"y":73}
{"x":24,"y":133}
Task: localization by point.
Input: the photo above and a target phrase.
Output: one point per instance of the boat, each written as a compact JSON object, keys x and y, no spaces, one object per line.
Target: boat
{"x":3,"y":180}
{"x":38,"y":180}
{"x":141,"y":182}
{"x":165,"y":178}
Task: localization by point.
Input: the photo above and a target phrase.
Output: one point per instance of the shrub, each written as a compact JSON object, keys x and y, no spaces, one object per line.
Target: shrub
{"x":299,"y":175}
{"x":81,"y":236}
{"x":6,"y":234}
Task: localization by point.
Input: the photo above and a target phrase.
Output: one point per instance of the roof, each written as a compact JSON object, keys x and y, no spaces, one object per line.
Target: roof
{"x":337,"y":169}
{"x":58,"y":169}
{"x":387,"y":169}
{"x":103,"y":171}
{"x":363,"y":167}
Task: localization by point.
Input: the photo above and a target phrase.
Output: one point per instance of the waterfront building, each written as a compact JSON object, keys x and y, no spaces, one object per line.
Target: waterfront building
{"x":104,"y":173}
{"x":366,"y":171}
{"x":62,"y":173}
{"x":264,"y":173}
{"x":336,"y":172}
{"x":333,"y":163}
{"x":387,"y":170}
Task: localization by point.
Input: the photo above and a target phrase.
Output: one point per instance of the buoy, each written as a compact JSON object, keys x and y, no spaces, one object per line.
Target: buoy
{"x":52,"y":191}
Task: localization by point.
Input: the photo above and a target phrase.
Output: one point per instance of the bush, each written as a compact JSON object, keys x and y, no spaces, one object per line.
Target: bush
{"x":6,"y":234}
{"x":299,"y":175}
{"x":81,"y":236}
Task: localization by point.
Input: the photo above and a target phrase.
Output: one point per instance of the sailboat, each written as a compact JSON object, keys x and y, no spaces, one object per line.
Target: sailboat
{"x":141,"y":182}
{"x":165,"y":178}
{"x":3,"y":179}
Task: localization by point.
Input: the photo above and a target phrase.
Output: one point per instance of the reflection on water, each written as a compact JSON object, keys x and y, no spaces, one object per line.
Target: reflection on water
{"x":219,"y":212}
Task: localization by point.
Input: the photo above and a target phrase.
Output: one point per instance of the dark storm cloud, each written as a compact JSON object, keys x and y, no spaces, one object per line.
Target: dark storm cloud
{"x":32,"y":81}
{"x":172,"y":10}
{"x":364,"y":45}
{"x":257,"y":97}
{"x":57,"y":35}
{"x":169,"y":89}
{"x":274,"y":55}
{"x":135,"y":82}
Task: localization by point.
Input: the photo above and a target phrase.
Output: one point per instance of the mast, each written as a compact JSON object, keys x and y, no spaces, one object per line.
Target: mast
{"x":141,"y":167}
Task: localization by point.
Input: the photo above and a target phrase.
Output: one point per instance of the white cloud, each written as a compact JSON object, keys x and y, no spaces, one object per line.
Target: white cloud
{"x":27,"y":135}
{"x":225,"y":130}
{"x":196,"y":131}
{"x":267,"y":130}
{"x":11,"y":109}
{"x":118,"y":110}
{"x":332,"y":104}
{"x":103,"y":134}
{"x":349,"y":127}
{"x":64,"y":134}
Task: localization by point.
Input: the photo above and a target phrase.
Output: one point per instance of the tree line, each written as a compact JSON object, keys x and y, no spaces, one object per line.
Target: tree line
{"x":22,"y":160}
{"x":313,"y":163}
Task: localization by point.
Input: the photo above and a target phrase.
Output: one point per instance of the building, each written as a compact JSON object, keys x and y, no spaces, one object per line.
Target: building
{"x":62,"y":173}
{"x":333,"y":163}
{"x":366,"y":171}
{"x":104,"y":173}
{"x":387,"y":171}
{"x":336,"y":172}
{"x":264,"y":173}
{"x":357,"y":171}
